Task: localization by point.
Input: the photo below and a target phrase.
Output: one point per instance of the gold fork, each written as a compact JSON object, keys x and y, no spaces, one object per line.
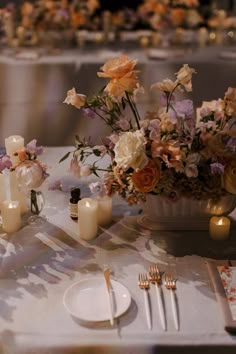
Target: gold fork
{"x":170,"y":283}
{"x":155,"y":278}
{"x":143,"y":283}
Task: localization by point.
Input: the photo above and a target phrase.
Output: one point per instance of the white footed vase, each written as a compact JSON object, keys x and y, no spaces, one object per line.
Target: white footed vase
{"x":183,"y":214}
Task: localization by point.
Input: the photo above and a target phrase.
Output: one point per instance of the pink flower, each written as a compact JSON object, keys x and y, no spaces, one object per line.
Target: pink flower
{"x":85,"y":170}
{"x":123,"y":124}
{"x":74,"y":167}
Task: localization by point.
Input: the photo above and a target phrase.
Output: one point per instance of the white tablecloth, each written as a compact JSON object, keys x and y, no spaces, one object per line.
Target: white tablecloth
{"x":39,"y":263}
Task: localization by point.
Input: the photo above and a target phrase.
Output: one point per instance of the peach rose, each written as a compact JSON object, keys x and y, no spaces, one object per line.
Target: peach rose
{"x":123,"y":77}
{"x":75,"y":99}
{"x":230,"y":177}
{"x":145,"y":179}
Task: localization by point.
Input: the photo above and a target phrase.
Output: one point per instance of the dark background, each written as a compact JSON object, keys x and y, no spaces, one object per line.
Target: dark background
{"x":114,"y":5}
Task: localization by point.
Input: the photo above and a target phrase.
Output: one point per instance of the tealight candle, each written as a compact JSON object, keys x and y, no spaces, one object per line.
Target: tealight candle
{"x":219,"y":227}
{"x":11,"y":216}
{"x":13,"y":143}
{"x":104,"y":210}
{"x":87,"y":218}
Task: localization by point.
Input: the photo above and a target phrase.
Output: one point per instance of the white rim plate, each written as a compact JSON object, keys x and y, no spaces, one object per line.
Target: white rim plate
{"x":87,"y":299}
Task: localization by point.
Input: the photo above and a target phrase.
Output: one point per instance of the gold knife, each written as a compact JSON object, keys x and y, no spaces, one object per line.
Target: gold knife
{"x":109,"y":298}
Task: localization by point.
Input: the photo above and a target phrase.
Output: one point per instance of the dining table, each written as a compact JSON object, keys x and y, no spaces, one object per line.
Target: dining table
{"x":41,"y":261}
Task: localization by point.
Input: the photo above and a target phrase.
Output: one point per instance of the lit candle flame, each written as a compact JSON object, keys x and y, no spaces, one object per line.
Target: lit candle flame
{"x":220,"y":222}
{"x":87,"y":204}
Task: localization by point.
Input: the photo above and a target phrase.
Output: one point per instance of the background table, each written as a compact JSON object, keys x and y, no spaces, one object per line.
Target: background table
{"x":33,"y":91}
{"x":39,"y":263}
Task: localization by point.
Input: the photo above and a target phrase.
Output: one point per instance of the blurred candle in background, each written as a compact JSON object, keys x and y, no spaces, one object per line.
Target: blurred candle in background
{"x":219,"y":227}
{"x":13,"y":143}
{"x":87,"y":218}
{"x":104,"y":210}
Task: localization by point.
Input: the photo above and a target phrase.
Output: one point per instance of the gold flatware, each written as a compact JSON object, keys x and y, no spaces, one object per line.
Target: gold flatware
{"x":155,"y":278}
{"x":143,"y":283}
{"x":170,"y":284}
{"x":109,"y":298}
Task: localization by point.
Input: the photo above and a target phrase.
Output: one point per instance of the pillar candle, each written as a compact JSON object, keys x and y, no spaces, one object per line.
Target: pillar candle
{"x":219,"y":227}
{"x":87,"y":218}
{"x":11,"y":216}
{"x":13,"y":143}
{"x":16,"y":194}
{"x":104,"y":210}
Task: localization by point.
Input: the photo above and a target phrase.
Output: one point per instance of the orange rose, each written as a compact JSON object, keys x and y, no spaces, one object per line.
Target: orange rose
{"x":123,"y":77}
{"x":145,"y":179}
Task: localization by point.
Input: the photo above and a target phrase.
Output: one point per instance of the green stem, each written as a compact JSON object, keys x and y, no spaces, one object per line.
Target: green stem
{"x":135,"y":113}
{"x":169,"y":97}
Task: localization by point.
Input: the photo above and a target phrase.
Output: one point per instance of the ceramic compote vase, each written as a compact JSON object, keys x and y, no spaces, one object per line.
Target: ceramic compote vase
{"x":183,"y":214}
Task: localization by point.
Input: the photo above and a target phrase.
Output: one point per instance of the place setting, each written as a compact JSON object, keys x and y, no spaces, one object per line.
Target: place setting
{"x":97,"y":300}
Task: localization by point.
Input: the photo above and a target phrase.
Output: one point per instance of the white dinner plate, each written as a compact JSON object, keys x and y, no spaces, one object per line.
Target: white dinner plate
{"x":87,"y":299}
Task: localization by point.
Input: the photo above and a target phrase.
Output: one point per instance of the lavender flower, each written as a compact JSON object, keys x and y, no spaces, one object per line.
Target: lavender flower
{"x":32,"y":148}
{"x":217,"y":168}
{"x":5,"y":162}
{"x":231,"y":143}
{"x":184,"y":109}
{"x":89,"y":113}
{"x":163,"y":99}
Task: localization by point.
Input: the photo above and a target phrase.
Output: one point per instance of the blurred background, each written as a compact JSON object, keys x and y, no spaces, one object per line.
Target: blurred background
{"x":49,"y":46}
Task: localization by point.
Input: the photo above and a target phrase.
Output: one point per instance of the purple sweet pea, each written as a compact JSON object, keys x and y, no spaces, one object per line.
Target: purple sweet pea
{"x":184,"y":109}
{"x":89,"y":113}
{"x":231,"y":144}
{"x":217,"y":168}
{"x":32,"y":148}
{"x":163,"y":99}
{"x":5,"y":162}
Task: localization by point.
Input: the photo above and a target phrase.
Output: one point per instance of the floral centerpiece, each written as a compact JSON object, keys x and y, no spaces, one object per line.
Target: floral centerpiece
{"x":166,"y":152}
{"x":25,"y":173}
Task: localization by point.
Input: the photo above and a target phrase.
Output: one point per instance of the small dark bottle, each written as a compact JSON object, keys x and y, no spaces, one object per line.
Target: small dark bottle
{"x":75,"y":197}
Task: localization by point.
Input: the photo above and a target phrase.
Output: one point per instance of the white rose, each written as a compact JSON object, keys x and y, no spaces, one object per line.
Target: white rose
{"x":130,"y":150}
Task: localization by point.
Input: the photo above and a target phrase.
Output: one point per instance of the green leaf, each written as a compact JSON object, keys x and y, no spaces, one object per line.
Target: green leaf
{"x":96,"y":152}
{"x":95,"y":173}
{"x":65,"y":156}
